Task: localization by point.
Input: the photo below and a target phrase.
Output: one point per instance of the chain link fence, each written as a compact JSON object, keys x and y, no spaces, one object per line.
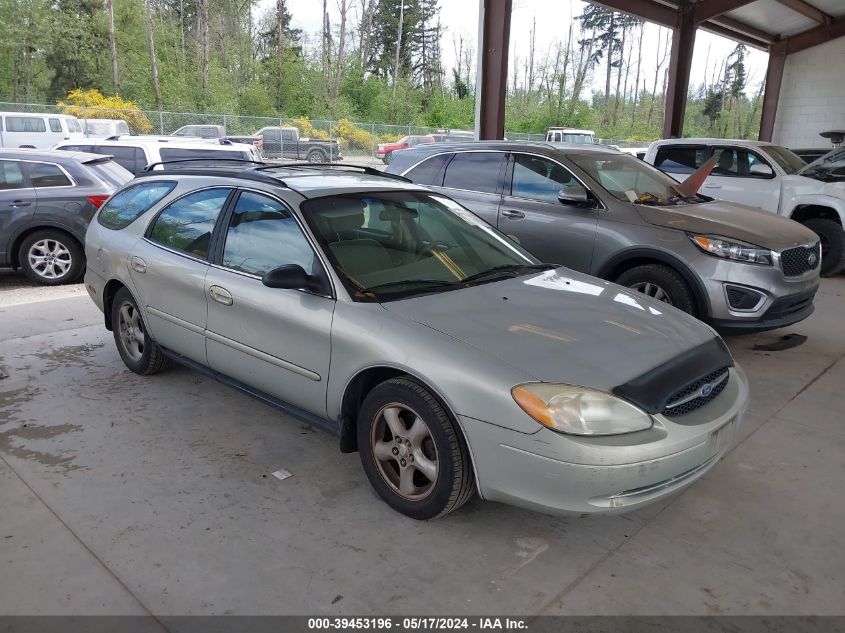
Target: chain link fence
{"x":357,"y":141}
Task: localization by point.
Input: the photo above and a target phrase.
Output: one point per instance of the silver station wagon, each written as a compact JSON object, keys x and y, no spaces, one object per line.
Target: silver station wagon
{"x":449,"y":357}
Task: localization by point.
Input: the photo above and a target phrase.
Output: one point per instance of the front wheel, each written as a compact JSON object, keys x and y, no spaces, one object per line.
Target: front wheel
{"x":832,"y":241}
{"x":660,"y":282}
{"x":412,"y":452}
{"x":136,"y":347}
{"x":51,"y":257}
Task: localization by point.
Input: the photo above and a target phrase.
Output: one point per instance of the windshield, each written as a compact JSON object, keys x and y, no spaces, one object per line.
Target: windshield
{"x":790,"y":162}
{"x":73,"y":124}
{"x":100,"y":128}
{"x":629,"y":179}
{"x":831,"y":166}
{"x":391,"y":245}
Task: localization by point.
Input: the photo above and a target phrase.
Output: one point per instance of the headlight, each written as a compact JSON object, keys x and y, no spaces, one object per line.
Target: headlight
{"x":579,"y":411}
{"x":729,"y":249}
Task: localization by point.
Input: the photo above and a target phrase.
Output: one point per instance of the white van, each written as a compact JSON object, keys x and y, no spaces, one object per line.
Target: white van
{"x":37,"y":130}
{"x":104,"y":128}
{"x":570,"y":135}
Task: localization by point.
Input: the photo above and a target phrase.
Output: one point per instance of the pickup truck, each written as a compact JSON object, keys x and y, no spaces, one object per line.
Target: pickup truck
{"x":217,"y":131}
{"x":284,"y":142}
{"x":765,"y":176}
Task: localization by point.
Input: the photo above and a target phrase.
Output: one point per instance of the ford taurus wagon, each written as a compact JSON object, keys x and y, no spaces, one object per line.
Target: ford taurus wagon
{"x":391,"y":316}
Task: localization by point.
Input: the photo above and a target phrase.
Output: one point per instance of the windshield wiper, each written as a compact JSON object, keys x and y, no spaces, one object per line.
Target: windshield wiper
{"x":430,"y":283}
{"x":508,"y":270}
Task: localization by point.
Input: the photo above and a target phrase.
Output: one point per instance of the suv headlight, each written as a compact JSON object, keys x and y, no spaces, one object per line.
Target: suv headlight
{"x":578,"y":410}
{"x":732,"y":249}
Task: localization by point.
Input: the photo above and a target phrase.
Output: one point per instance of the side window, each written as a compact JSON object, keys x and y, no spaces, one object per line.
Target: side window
{"x":25,"y":124}
{"x":738,"y":162}
{"x":538,"y":178}
{"x":186,"y":225}
{"x":679,"y":159}
{"x":263,"y":235}
{"x":125,"y":207}
{"x":130,"y":158}
{"x":55,"y":125}
{"x":47,"y":175}
{"x":427,"y":171}
{"x":79,"y":148}
{"x":287,"y":136}
{"x":11,"y":175}
{"x":475,"y":171}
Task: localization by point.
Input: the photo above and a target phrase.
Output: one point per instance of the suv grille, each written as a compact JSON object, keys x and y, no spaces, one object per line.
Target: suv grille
{"x":796,"y":261}
{"x":698,"y":393}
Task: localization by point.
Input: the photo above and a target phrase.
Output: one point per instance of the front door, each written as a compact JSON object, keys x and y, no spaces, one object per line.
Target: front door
{"x":741,"y":175}
{"x":274,"y":340}
{"x":169,"y":266}
{"x":550,"y":230}
{"x":17,"y":204}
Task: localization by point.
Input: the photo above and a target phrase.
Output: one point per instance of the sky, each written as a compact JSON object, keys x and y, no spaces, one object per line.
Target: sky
{"x":460,"y":17}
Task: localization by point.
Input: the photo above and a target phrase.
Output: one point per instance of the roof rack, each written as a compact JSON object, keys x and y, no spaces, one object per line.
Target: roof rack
{"x":370,"y":171}
{"x":150,"y":167}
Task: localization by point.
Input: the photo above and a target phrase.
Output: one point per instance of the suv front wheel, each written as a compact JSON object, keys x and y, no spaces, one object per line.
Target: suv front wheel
{"x":412,"y":451}
{"x":832,"y":239}
{"x":660,"y":282}
{"x":49,"y":257}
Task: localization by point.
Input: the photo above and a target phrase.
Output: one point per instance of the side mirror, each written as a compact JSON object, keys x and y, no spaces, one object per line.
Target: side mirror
{"x":761,"y":170}
{"x":290,"y":276}
{"x":573,"y":194}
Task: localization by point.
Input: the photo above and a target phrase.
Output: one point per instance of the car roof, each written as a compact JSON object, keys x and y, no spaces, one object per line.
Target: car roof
{"x":711,"y":141}
{"x":540,"y":147}
{"x":158,"y":141}
{"x":306,"y":180}
{"x":51,"y":155}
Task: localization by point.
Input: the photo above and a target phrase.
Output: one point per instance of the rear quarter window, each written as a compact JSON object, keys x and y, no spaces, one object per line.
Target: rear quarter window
{"x":430,"y":171}
{"x":128,"y":205}
{"x":25,"y":124}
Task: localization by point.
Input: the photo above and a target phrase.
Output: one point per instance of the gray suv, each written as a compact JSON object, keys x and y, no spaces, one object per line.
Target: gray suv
{"x":603,"y":212}
{"x":46,"y":201}
{"x":449,"y":357}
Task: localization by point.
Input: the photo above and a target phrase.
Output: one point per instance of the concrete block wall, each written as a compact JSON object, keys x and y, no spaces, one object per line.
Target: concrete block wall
{"x":812,"y":96}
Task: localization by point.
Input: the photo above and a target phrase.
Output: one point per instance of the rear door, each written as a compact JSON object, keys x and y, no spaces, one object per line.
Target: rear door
{"x":168,"y":267}
{"x":475,"y":180}
{"x":550,"y":230}
{"x":275,"y":340}
{"x":17,"y":204}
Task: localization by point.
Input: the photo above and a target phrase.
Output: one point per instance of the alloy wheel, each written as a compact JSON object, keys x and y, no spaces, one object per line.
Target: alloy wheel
{"x":404,"y":450}
{"x":652,"y":290}
{"x":49,"y":259}
{"x":131,"y":329}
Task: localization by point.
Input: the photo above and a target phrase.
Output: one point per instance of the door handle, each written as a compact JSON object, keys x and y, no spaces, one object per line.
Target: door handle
{"x":138,"y":264}
{"x":510,"y":213}
{"x":221,"y":295}
{"x":19,"y":203}
{"x":712,"y":187}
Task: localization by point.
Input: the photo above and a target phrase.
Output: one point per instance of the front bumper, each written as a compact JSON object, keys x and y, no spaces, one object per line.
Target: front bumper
{"x":566,"y":474}
{"x":781,"y":300}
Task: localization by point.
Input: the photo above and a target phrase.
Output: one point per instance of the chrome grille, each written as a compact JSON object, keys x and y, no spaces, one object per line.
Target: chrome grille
{"x":698,"y":393}
{"x":797,"y":261}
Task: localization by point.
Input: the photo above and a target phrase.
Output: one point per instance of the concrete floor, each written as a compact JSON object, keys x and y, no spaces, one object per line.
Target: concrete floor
{"x":126,"y":495}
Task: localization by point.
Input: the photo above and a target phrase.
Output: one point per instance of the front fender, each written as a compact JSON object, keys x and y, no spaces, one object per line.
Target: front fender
{"x":816,"y":200}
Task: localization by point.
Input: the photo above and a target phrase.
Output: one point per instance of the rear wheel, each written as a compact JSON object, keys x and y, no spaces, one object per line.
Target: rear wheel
{"x":660,"y":282}
{"x":412,"y":451}
{"x":136,"y":347}
{"x":832,"y":240}
{"x":316,"y":157}
{"x":51,"y":257}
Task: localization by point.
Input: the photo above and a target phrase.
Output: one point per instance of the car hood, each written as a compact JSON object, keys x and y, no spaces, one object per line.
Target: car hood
{"x":561,"y":326}
{"x":731,"y":220}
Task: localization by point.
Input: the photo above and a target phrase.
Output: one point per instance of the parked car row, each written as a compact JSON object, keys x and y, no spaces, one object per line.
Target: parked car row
{"x":334,"y":293}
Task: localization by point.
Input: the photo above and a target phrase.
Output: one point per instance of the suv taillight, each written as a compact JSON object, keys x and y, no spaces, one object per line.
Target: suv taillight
{"x":98,"y":199}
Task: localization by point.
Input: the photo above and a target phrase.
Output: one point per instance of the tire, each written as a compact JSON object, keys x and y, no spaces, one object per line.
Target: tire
{"x":316,"y":157}
{"x":50,"y":257}
{"x":436,"y":447}
{"x":833,"y":244}
{"x":145,"y":358}
{"x":662,"y":283}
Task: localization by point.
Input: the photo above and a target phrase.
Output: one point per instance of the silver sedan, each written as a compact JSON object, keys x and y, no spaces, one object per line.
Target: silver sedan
{"x":451,"y":359}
